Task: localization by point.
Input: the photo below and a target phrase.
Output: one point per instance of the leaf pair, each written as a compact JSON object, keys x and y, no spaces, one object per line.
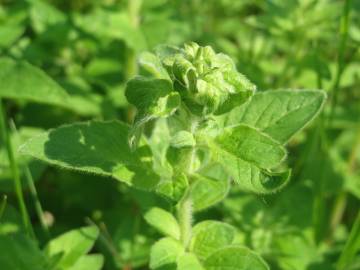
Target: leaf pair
{"x":211,"y":246}
{"x":250,"y":146}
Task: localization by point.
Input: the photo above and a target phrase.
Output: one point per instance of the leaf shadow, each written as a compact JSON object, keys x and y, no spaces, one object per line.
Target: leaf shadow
{"x":101,"y":148}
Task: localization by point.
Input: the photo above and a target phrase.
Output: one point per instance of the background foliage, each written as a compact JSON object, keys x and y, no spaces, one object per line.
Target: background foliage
{"x":90,"y":48}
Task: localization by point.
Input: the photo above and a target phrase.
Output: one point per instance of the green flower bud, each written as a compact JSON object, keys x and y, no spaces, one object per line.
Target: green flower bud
{"x":208,"y":82}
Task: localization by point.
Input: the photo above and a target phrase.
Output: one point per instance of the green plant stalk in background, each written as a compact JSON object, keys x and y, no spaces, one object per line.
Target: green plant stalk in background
{"x":344,"y":33}
{"x":15,"y":172}
{"x":38,"y":208}
{"x":352,"y":246}
{"x":3,"y":206}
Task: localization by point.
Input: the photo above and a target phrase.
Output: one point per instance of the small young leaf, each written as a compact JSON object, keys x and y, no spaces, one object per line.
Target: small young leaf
{"x":235,"y":258}
{"x":153,"y":98}
{"x":173,"y":188}
{"x":206,"y":191}
{"x":182,"y":139}
{"x":20,"y":80}
{"x":163,"y":221}
{"x":188,"y":261}
{"x":95,"y":147}
{"x":248,"y":156}
{"x":152,"y":64}
{"x":72,"y":245}
{"x":209,"y":236}
{"x":279,"y":113}
{"x":165,"y":253}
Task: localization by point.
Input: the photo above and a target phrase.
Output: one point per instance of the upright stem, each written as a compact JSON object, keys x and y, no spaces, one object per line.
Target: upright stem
{"x":185,"y":206}
{"x":344,"y":29}
{"x":15,"y":172}
{"x":33,"y":192}
{"x":134,"y":7}
{"x":185,"y":218}
{"x":3,"y":206}
{"x":351,"y":247}
{"x":38,"y":207}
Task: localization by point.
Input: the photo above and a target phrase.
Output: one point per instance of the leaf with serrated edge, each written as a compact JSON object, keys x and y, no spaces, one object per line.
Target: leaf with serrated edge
{"x":279,"y":113}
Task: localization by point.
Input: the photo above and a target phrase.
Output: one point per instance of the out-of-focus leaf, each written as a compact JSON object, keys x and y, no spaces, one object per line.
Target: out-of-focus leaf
{"x":20,"y":253}
{"x":20,"y":80}
{"x":70,"y":246}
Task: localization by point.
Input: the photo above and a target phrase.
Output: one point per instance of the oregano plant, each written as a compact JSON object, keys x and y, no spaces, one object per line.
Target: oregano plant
{"x":201,"y":127}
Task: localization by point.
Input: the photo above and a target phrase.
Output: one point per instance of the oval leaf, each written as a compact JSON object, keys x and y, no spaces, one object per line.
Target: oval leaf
{"x":165,"y":252}
{"x":20,"y":80}
{"x":279,"y":113}
{"x":209,"y":236}
{"x":71,"y":245}
{"x":235,"y":258}
{"x":163,"y":221}
{"x":95,"y":147}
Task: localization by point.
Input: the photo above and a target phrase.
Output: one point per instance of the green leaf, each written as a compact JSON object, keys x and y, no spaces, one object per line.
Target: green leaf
{"x":165,"y":253}
{"x":235,"y":258}
{"x":174,"y":187}
{"x":163,"y":221}
{"x":248,"y":156}
{"x":89,"y":262}
{"x":251,"y":145}
{"x":20,"y":253}
{"x":153,"y":98}
{"x":71,"y":245}
{"x":206,"y":191}
{"x":20,"y":80}
{"x":188,"y":261}
{"x":152,"y":64}
{"x":183,"y":139}
{"x":110,"y":25}
{"x":279,"y":113}
{"x":97,"y":148}
{"x":209,"y":236}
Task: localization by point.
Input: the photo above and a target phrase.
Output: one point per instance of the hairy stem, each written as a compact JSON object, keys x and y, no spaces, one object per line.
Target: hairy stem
{"x":185,"y":212}
{"x":15,"y":172}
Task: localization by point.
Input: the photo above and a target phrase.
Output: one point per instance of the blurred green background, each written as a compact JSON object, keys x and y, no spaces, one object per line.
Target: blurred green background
{"x":90,"y":47}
